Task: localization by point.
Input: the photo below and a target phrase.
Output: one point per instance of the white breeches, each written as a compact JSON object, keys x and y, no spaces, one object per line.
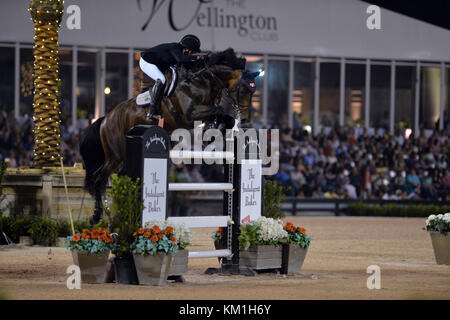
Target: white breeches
{"x":152,"y":71}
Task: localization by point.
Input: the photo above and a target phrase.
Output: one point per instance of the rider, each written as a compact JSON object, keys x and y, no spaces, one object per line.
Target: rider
{"x":156,"y":61}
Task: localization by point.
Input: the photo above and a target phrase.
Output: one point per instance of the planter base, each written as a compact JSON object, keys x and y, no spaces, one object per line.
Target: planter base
{"x":125,"y":271}
{"x":92,"y":266}
{"x":293,"y":258}
{"x":261,"y":257}
{"x":441,"y":247}
{"x":153,"y":269}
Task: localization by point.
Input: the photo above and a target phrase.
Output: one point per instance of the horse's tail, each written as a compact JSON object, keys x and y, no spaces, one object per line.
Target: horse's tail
{"x":91,"y":151}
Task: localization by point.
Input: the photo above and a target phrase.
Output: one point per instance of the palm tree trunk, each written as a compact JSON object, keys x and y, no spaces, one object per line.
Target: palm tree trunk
{"x":46,"y":16}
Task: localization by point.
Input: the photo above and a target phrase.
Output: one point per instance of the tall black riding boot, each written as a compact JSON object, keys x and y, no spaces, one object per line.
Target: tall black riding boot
{"x":156,"y":97}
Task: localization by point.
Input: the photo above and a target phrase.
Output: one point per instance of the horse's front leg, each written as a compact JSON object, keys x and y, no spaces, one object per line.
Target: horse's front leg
{"x":98,"y":208}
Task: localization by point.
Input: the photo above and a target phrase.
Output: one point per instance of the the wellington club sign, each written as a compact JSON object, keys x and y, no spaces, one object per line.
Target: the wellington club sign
{"x":219,"y":14}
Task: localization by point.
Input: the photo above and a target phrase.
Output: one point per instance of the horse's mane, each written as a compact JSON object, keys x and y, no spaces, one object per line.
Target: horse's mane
{"x":226,"y":58}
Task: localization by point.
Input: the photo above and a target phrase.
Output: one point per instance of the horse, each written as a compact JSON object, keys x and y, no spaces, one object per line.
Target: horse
{"x":198,"y":96}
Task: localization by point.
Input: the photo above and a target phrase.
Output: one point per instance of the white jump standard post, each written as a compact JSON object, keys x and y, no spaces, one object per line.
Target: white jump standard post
{"x":148,"y":158}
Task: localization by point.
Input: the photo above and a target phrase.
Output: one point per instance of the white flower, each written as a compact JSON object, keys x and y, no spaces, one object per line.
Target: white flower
{"x":440,"y":216}
{"x":271,"y":229}
{"x":447,"y":217}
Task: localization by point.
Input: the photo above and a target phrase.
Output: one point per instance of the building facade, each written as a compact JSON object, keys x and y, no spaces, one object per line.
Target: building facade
{"x":323,"y":65}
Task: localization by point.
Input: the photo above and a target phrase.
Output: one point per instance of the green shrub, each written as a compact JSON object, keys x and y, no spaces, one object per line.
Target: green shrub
{"x":44,"y":231}
{"x":15,"y":226}
{"x":127,"y":206}
{"x":273,"y":196}
{"x":394,"y":210}
{"x":63,"y":227}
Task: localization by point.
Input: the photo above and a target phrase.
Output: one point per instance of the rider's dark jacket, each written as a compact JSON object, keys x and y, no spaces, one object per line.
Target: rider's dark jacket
{"x":166,"y":55}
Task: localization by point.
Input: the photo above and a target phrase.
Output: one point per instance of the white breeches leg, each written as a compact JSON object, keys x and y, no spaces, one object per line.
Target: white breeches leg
{"x":152,"y":71}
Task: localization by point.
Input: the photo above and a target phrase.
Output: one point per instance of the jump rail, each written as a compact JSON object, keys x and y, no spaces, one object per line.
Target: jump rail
{"x":148,"y":158}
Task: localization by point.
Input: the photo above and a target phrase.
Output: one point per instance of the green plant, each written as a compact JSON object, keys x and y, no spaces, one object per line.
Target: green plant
{"x":297,"y":235}
{"x":439,"y":223}
{"x":80,"y":225}
{"x":16,"y":226}
{"x":153,"y":240}
{"x":43,"y":231}
{"x":97,"y":240}
{"x":217,"y":235}
{"x":273,"y":196}
{"x":126,"y":211}
{"x":63,"y":227}
{"x":264,"y":231}
{"x":393,"y":210}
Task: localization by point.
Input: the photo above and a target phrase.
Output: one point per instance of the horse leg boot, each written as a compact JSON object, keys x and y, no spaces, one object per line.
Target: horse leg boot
{"x":156,"y":97}
{"x":98,"y":210}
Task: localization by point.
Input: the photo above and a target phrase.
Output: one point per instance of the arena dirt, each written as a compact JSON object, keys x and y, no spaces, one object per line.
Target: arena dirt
{"x":335,"y":268}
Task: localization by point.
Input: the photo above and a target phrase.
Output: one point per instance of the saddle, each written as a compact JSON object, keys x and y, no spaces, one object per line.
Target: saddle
{"x":143,"y":99}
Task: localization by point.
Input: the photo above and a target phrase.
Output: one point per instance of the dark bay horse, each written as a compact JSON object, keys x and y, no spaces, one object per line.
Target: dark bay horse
{"x":199,"y":95}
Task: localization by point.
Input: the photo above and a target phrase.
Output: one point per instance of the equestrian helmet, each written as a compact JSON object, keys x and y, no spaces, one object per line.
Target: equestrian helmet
{"x":191,"y":42}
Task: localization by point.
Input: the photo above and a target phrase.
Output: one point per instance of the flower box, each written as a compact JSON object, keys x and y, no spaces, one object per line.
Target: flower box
{"x":441,"y":247}
{"x":261,"y":257}
{"x":153,"y":269}
{"x":293,"y":257}
{"x":179,"y":263}
{"x":90,"y":251}
{"x":92,"y":265}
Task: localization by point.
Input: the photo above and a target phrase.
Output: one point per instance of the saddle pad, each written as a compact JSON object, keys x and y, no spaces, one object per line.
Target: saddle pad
{"x":143,"y":99}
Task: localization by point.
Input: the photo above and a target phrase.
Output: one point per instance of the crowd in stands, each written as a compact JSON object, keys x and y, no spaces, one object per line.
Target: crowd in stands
{"x":348,"y":164}
{"x":342,"y":163}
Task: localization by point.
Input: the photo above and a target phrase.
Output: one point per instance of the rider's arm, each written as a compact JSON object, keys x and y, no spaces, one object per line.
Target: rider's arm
{"x":182,"y":58}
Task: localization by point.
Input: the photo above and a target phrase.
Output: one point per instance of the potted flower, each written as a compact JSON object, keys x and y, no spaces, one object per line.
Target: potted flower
{"x":294,"y":252}
{"x":260,"y":243}
{"x":217,"y":236}
{"x":126,"y":215}
{"x":180,"y":260}
{"x":90,"y":251}
{"x":153,"y":250}
{"x":439,"y":226}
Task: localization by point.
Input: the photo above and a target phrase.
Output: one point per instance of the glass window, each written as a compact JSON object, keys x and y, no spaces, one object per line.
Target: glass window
{"x":405,"y":78}
{"x":302,"y":100}
{"x":256,"y":63}
{"x":355,"y":83}
{"x":430,"y":80}
{"x":7,"y":80}
{"x":329,"y":94}
{"x":380,"y":99}
{"x":116,"y":82}
{"x":277,"y":95}
{"x":86,"y":88}
{"x":26,"y":82}
{"x":65,"y":90}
